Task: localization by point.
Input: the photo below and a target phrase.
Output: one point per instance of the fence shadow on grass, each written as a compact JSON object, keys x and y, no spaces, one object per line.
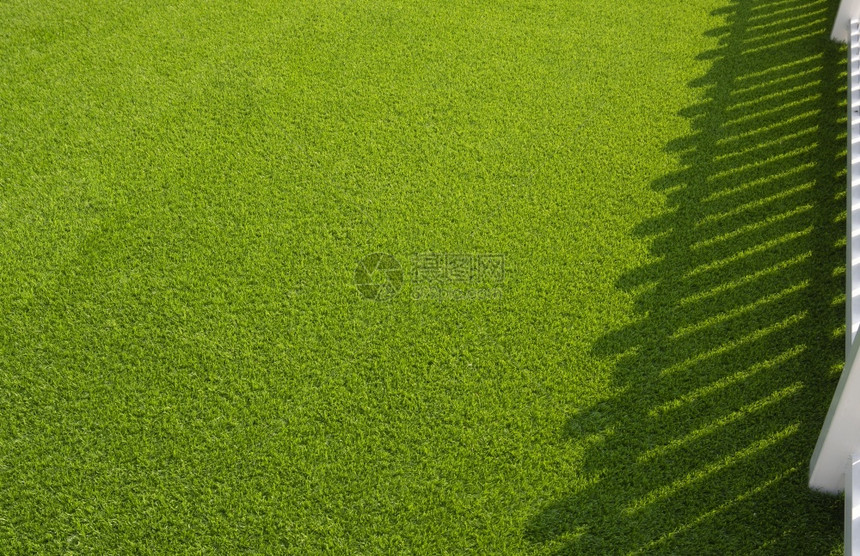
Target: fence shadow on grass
{"x":725,"y":380}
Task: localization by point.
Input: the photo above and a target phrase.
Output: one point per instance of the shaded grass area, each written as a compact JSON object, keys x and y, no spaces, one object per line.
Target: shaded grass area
{"x":187,"y":366}
{"x":722,"y":382}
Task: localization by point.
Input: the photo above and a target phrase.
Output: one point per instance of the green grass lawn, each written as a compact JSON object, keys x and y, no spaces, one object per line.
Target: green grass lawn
{"x":610,"y":321}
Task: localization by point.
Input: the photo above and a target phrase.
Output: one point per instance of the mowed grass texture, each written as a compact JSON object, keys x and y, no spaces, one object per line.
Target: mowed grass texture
{"x":187,"y":189}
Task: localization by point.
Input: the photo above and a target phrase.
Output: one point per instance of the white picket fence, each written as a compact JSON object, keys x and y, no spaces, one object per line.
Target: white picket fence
{"x":835,"y":464}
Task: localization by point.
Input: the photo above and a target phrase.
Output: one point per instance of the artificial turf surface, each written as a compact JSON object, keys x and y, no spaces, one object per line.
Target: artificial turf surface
{"x":188,"y":191}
